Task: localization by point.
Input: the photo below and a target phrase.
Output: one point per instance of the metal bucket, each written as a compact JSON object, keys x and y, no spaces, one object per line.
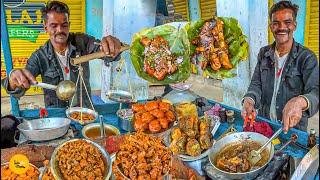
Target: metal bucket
{"x":125,"y":119}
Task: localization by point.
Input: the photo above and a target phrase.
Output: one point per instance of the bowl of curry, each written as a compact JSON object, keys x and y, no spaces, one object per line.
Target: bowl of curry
{"x":92,"y":131}
{"x":229,"y":155}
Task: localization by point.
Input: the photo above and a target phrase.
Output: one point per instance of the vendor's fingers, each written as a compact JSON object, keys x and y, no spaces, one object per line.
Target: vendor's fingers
{"x":286,"y":122}
{"x":111,"y":44}
{"x":105,"y":46}
{"x":291,"y":122}
{"x":29,"y":76}
{"x":23,"y":82}
{"x":18,"y":78}
{"x":117,"y":46}
{"x":243,"y":113}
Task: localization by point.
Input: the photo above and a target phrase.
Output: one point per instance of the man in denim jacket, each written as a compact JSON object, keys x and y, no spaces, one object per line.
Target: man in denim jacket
{"x":52,"y":60}
{"x":285,"y":83}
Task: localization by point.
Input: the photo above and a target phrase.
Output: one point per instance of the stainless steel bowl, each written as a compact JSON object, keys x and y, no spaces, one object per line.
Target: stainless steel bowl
{"x":84,"y":110}
{"x":106,"y":126}
{"x":106,"y":159}
{"x":239,"y":138}
{"x":44,"y":129}
{"x":125,"y":119}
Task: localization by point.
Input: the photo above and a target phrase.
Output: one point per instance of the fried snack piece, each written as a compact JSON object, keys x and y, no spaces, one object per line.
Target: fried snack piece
{"x":157,"y":113}
{"x":140,"y":125}
{"x":154,"y":126}
{"x":146,"y":117}
{"x":205,"y":142}
{"x":164,"y":122}
{"x":204,"y":127}
{"x":224,"y":60}
{"x":164,"y":106}
{"x":178,"y":146}
{"x":137,"y":107}
{"x":193,"y":148}
{"x":176,"y":133}
{"x":151,"y":105}
{"x":186,"y":109}
{"x":215,"y":62}
{"x":170,"y":116}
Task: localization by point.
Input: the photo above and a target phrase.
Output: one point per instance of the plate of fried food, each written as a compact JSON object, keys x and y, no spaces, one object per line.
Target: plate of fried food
{"x":217,"y":46}
{"x":153,"y":117}
{"x":192,"y":138}
{"x":142,"y":156}
{"x":81,"y":115}
{"x":32,"y":172}
{"x":80,"y":159}
{"x":160,"y":54}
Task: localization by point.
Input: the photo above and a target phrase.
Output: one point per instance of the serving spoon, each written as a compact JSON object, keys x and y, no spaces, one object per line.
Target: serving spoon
{"x":255,"y":156}
{"x":64,"y":90}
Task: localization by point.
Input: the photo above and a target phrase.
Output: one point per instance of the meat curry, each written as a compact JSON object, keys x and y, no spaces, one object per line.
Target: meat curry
{"x":233,"y":158}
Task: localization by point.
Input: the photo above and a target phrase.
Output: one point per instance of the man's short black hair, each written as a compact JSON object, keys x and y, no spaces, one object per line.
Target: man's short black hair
{"x":284,"y":5}
{"x":55,"y":6}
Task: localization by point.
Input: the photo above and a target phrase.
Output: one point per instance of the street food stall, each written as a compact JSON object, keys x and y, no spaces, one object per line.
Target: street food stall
{"x":177,"y":136}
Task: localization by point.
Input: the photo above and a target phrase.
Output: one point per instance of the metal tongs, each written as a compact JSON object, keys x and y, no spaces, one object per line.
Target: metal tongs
{"x":249,"y":118}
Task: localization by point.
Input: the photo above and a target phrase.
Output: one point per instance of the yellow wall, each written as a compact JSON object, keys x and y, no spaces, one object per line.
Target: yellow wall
{"x":311,"y":34}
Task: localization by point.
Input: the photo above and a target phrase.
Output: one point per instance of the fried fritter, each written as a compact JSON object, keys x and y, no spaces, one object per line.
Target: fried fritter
{"x":193,"y":148}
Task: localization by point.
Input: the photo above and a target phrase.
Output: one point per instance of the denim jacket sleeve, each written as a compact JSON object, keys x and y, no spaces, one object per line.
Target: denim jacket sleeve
{"x":254,"y":90}
{"x":310,"y":73}
{"x":92,"y":47}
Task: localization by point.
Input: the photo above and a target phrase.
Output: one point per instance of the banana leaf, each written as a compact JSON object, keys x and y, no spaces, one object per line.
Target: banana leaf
{"x":237,"y":46}
{"x":179,"y":46}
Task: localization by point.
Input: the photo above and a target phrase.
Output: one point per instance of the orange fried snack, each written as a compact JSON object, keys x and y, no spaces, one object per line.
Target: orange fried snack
{"x":32,"y":173}
{"x":142,"y":156}
{"x":85,"y":116}
{"x":153,"y":116}
{"x":80,"y":160}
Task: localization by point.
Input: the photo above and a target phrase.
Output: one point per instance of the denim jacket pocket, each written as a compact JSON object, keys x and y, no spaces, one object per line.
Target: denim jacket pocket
{"x":293,"y":79}
{"x":51,"y":73}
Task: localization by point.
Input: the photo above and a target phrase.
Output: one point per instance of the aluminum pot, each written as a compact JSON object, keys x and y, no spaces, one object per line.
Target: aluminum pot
{"x":238,"y":138}
{"x":44,"y":129}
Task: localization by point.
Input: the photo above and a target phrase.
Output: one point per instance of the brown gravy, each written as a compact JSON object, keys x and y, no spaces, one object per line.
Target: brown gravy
{"x":94,"y":132}
{"x":233,"y":157}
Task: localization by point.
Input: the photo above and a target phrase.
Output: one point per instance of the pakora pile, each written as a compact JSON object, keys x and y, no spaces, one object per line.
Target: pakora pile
{"x":80,"y":160}
{"x":234,"y":158}
{"x":153,"y":116}
{"x":143,"y":156}
{"x":211,"y":47}
{"x":159,"y":61}
{"x":192,"y":135}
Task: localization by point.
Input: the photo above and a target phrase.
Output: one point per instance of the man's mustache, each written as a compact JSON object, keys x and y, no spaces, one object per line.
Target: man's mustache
{"x":64,"y":34}
{"x":283,"y":31}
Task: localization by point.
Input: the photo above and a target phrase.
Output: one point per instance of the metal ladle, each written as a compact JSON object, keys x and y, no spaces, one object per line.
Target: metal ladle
{"x":64,"y":90}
